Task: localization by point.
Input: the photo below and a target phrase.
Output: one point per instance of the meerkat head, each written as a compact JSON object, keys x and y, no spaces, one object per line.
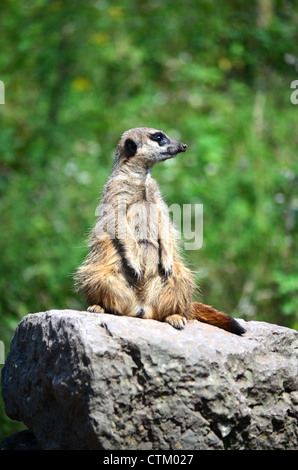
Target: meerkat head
{"x":146,"y":146}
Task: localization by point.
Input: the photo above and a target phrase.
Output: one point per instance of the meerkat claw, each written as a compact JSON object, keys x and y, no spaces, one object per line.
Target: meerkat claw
{"x":95,"y":309}
{"x":177,"y":321}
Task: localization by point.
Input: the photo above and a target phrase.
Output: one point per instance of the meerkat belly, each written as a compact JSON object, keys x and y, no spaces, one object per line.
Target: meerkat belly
{"x":149,"y":254}
{"x":143,"y":220}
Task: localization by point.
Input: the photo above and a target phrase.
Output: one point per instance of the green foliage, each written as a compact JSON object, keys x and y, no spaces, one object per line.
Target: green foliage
{"x":217,"y":75}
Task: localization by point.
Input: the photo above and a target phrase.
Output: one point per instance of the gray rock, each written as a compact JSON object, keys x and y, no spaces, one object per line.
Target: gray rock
{"x":82,"y":380}
{"x":22,"y":440}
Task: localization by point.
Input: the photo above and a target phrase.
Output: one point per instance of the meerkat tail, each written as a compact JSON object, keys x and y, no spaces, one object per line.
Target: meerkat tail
{"x":207,"y":314}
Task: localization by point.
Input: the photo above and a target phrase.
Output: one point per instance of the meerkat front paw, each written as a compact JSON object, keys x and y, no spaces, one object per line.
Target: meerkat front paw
{"x":177,"y":321}
{"x":137,"y":272}
{"x":136,"y":269}
{"x":95,"y":309}
{"x":167,"y":266}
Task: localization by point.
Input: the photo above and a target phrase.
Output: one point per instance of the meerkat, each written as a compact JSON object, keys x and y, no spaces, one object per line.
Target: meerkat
{"x":134,"y":266}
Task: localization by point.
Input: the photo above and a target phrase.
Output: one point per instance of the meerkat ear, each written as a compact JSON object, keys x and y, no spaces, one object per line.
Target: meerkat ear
{"x":130,"y":147}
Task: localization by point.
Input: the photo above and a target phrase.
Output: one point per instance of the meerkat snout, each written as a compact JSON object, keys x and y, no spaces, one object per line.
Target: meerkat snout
{"x":183,"y":147}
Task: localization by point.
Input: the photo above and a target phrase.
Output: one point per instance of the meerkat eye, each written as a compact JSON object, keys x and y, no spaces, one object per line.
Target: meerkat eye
{"x":160,"y":138}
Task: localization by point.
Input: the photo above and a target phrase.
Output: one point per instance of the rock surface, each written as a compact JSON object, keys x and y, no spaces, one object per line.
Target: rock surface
{"x":22,"y":440}
{"x":82,"y":380}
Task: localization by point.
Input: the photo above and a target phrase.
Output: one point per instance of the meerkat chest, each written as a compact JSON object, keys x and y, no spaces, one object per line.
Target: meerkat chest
{"x":144,"y":216}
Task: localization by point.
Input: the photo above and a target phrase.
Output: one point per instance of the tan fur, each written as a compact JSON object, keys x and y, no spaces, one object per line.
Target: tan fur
{"x":141,"y":274}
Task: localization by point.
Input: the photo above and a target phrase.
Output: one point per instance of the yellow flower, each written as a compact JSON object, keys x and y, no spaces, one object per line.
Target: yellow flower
{"x":224,"y":64}
{"x":116,"y":12}
{"x":81,"y":84}
{"x":100,"y":38}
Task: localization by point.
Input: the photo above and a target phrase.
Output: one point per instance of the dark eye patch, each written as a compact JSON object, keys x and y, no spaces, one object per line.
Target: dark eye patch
{"x":160,"y":138}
